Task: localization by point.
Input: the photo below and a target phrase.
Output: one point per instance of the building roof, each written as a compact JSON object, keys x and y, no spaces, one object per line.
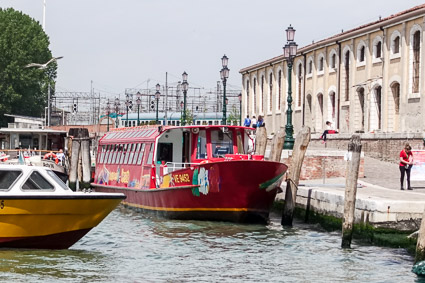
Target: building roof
{"x":415,"y":11}
{"x":41,"y":131}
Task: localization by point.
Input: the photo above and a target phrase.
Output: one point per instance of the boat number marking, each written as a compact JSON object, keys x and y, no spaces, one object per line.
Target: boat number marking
{"x":181,"y":178}
{"x":2,"y":204}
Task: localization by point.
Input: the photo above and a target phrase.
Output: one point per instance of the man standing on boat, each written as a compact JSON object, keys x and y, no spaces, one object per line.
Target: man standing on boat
{"x":247,"y":121}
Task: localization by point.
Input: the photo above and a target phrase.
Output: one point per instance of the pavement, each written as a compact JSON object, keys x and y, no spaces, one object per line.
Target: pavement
{"x":379,"y":200}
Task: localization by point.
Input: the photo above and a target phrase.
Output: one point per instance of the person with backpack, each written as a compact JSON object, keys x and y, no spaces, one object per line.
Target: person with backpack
{"x":247,"y":121}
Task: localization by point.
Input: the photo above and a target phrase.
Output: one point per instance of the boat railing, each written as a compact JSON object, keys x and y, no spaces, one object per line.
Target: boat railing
{"x":11,"y":154}
{"x":173,"y":166}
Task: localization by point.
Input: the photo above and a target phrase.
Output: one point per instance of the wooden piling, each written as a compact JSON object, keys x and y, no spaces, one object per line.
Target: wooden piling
{"x":420,"y":245}
{"x":300,"y":147}
{"x":86,"y":163}
{"x":260,"y":141}
{"x":73,"y":168}
{"x":277,"y":146}
{"x":351,"y":176}
{"x":77,"y":167}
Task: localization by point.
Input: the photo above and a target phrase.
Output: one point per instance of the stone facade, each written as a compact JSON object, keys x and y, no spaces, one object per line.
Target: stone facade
{"x":366,"y":80}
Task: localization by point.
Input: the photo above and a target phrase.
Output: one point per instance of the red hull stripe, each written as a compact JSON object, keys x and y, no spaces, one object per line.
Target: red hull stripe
{"x":55,"y":241}
{"x":191,"y":209}
{"x":145,"y":190}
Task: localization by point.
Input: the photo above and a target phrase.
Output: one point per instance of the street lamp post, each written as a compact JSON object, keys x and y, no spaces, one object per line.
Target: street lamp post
{"x":240,"y":108}
{"x":117,"y":108}
{"x":224,"y":73}
{"x":185,"y":86}
{"x":108,"y":109}
{"x":157,"y":96}
{"x":289,"y":52}
{"x":138,"y":101}
{"x":127,"y":104}
{"x":181,"y":112}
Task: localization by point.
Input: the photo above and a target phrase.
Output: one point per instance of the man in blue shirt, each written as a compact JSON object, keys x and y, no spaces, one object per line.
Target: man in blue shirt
{"x":247,"y":122}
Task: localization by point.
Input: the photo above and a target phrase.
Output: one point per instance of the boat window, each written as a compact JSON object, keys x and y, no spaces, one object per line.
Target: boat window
{"x":127,"y":153}
{"x":124,"y":152}
{"x":221,"y":142}
{"x":119,"y":153}
{"x":136,"y":153}
{"x":201,"y":148}
{"x":37,"y":182}
{"x":57,"y":179}
{"x":165,"y":152}
{"x":132,"y":149}
{"x":8,"y":178}
{"x":150,"y":154}
{"x":140,"y":158}
{"x":108,"y":153}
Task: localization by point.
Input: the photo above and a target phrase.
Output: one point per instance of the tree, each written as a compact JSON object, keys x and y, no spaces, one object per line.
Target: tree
{"x":23,"y":41}
{"x":233,"y":118}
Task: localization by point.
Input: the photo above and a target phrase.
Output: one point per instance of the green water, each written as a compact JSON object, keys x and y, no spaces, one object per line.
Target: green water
{"x":131,"y":247}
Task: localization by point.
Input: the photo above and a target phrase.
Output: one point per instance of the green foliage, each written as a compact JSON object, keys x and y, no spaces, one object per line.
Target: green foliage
{"x":189,"y":118}
{"x":23,"y":41}
{"x":234,"y":116}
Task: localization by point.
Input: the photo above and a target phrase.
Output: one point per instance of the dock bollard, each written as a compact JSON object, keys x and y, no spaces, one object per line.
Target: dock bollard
{"x":351,"y":176}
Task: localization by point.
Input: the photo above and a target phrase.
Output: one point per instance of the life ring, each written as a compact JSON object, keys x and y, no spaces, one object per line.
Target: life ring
{"x":195,"y":130}
{"x":49,"y":155}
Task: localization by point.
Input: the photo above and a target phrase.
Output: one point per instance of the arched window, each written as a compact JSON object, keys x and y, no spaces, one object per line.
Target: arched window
{"x":262,"y":94}
{"x":396,"y":45}
{"x":320,"y":63}
{"x":378,"y":49}
{"x":299,"y":89}
{"x":247,"y":97}
{"x":333,"y":61}
{"x":362,"y":54}
{"x":254,"y":89}
{"x":416,"y":44}
{"x":279,"y":89}
{"x":347,"y":75}
{"x":270,"y":92}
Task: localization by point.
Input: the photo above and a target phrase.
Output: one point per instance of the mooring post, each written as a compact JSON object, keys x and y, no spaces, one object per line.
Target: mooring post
{"x":300,"y":147}
{"x":260,"y":141}
{"x":86,"y":162}
{"x":277,"y":146}
{"x":351,"y":176}
{"x":420,"y":245}
{"x":73,"y":168}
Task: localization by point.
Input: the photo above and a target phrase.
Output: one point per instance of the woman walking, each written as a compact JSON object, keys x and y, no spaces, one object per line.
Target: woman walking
{"x":406,"y":162}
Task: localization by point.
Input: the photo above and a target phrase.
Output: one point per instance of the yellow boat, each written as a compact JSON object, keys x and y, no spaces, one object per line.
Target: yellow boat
{"x":37,"y":210}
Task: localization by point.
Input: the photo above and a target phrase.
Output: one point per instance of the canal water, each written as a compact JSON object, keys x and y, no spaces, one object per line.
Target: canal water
{"x":131,"y":247}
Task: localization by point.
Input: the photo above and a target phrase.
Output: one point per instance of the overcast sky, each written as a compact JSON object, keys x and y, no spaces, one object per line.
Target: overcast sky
{"x":133,"y":43}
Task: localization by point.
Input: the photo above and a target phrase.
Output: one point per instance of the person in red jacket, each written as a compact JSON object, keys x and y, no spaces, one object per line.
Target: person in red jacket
{"x":406,"y":162}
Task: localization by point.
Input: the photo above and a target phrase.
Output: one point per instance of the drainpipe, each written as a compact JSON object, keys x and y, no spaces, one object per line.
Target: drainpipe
{"x":304,"y":79}
{"x":339,"y":83}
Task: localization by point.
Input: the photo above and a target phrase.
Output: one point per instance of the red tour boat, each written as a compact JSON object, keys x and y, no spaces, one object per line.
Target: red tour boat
{"x":190,"y":172}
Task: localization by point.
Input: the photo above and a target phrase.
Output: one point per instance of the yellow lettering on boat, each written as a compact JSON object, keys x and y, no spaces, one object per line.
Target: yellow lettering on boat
{"x":113,"y":176}
{"x":125,"y":176}
{"x":182,"y":178}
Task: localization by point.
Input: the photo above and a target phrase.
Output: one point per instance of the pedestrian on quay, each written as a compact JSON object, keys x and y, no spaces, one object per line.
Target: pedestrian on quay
{"x":260,"y":122}
{"x":406,"y":162}
{"x":329,"y":130}
{"x":247,"y":121}
{"x":254,"y":122}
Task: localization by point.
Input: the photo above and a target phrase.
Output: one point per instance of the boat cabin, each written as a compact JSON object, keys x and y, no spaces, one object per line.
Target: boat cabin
{"x":152,"y":152}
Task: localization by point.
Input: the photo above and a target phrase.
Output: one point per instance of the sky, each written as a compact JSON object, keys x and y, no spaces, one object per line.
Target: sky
{"x":114,"y":45}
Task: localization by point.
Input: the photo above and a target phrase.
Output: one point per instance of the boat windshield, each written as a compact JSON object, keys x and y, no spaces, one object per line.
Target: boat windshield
{"x":8,"y":178}
{"x":221,"y":142}
{"x":57,"y":179}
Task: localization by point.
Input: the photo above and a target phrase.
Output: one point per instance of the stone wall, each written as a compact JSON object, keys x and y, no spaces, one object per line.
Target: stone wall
{"x":320,"y":164}
{"x":382,"y":146}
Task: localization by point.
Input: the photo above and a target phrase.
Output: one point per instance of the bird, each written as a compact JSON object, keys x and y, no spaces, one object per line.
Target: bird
{"x":43,"y":66}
